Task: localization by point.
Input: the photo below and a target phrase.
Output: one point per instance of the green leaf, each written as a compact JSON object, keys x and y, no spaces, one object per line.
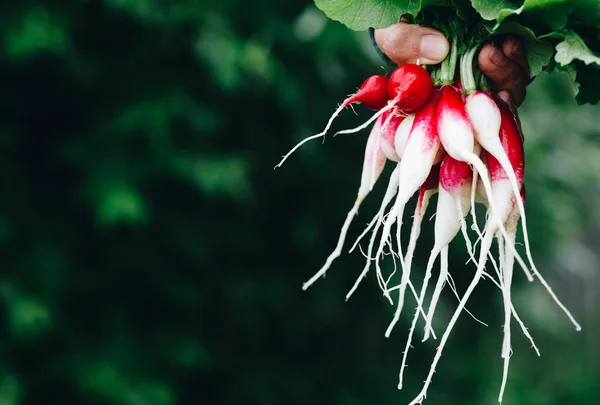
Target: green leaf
{"x":361,"y":14}
{"x":553,"y":13}
{"x":573,"y":47}
{"x":463,"y":9}
{"x":491,"y":9}
{"x":588,"y":11}
{"x":572,"y":74}
{"x":581,"y":64}
{"x":539,"y":53}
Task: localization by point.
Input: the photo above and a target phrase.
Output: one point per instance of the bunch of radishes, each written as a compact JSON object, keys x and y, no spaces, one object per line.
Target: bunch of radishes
{"x":448,"y":134}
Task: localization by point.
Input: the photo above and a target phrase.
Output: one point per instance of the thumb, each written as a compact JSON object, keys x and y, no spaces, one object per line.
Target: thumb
{"x":405,"y":43}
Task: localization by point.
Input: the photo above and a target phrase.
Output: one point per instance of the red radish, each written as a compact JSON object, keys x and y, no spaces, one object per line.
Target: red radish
{"x":372,"y":93}
{"x":485,"y":117}
{"x":456,"y":179}
{"x":453,"y":204}
{"x":411,"y":85}
{"x":457,"y":136}
{"x":503,"y":188}
{"x":421,"y":148}
{"x":374,"y":158}
{"x":388,"y":134}
{"x":427,"y":190}
{"x":409,"y":88}
{"x":400,"y":139}
{"x":402,"y":134}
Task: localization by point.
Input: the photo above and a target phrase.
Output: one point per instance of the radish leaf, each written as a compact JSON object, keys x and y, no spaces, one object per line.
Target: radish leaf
{"x":553,"y":13}
{"x":574,"y":47}
{"x":491,"y":9}
{"x":361,"y":14}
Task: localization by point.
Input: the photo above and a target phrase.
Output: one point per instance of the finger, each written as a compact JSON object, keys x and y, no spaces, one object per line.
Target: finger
{"x":514,"y":49}
{"x":505,"y":74}
{"x":406,"y":43}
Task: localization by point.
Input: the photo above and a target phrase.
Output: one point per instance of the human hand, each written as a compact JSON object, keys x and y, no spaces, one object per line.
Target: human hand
{"x":507,"y":68}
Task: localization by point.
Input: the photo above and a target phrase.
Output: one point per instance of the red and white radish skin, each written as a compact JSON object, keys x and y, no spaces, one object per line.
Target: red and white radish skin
{"x":409,"y":88}
{"x":485,"y":116}
{"x":453,"y":175}
{"x":452,"y":120}
{"x":456,"y":179}
{"x":393,"y":119}
{"x":402,"y":134}
{"x":400,"y":140}
{"x":426,"y":191}
{"x":511,"y":141}
{"x":457,"y":135}
{"x":374,"y":158}
{"x":421,"y":149}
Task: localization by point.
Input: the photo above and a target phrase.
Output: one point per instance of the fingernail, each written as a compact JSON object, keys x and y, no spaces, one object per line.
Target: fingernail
{"x":434,"y":48}
{"x":498,"y":58}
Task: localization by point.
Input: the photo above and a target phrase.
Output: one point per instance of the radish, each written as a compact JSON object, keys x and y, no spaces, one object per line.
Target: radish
{"x":426,"y":191}
{"x":409,"y":89}
{"x":457,"y":136}
{"x":392,"y":121}
{"x":372,"y":93}
{"x":511,"y":143}
{"x":454,"y":190}
{"x":442,"y":117}
{"x":374,"y":158}
{"x":400,"y":138}
{"x":421,"y":149}
{"x":456,"y":179}
{"x":411,"y":85}
{"x":402,"y":134}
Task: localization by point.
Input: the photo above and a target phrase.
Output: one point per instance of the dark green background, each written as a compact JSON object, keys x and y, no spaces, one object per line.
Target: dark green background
{"x":151,"y":255}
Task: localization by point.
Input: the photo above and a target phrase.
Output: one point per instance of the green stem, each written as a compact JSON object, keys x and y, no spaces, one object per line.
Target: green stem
{"x":483,"y":82}
{"x":453,"y":58}
{"x":467,"y":77}
{"x":435,"y":74}
{"x":448,"y":66}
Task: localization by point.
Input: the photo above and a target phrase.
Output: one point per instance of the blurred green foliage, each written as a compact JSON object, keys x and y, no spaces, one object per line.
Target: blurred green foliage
{"x":151,"y":255}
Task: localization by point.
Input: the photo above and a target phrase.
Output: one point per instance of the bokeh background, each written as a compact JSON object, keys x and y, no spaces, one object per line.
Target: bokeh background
{"x":150,"y":254}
